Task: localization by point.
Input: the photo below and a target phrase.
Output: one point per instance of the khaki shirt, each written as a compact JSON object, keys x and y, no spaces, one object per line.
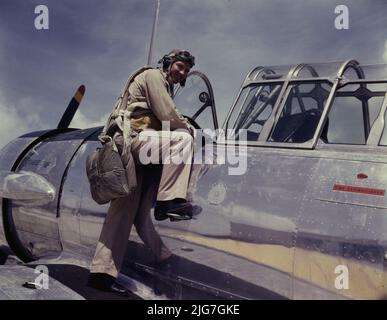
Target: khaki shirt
{"x":150,"y":102}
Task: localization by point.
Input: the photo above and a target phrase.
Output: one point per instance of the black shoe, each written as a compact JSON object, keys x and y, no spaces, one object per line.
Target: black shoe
{"x":196,"y":210}
{"x":177,"y":210}
{"x":160,"y":215}
{"x":179,"y":217}
{"x":106,"y":283}
{"x":118,"y":289}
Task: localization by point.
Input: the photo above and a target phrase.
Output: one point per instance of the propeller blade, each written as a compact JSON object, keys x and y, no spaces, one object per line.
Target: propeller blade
{"x":72,"y":108}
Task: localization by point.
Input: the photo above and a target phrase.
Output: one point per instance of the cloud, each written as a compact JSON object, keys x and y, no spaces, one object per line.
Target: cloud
{"x":385,"y":52}
{"x":12,"y":123}
{"x":87,"y":46}
{"x":81,"y":121}
{"x":15,"y":124}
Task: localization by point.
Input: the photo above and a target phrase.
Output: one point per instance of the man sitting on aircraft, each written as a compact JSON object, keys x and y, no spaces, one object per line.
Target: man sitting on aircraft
{"x":150,"y":102}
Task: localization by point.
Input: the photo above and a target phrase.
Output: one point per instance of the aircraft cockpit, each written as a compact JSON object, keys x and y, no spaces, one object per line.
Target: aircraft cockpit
{"x":304,"y":105}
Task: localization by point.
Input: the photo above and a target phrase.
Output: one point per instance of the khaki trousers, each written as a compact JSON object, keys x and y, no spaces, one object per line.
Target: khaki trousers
{"x":174,"y":150}
{"x":135,"y":208}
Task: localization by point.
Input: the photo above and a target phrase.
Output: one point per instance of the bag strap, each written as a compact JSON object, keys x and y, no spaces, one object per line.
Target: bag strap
{"x":120,"y":113}
{"x":117,"y":106}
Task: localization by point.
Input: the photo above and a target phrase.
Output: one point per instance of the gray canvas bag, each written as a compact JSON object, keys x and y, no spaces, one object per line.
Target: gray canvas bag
{"x":110,"y":174}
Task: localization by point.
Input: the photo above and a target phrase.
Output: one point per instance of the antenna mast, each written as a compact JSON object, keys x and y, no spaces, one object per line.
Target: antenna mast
{"x":153,"y":32}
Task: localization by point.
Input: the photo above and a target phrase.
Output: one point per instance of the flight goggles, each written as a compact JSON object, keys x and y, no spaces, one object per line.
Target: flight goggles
{"x":186,"y":57}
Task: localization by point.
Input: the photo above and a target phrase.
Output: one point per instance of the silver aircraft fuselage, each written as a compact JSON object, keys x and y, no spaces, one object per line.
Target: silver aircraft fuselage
{"x":307,"y":220}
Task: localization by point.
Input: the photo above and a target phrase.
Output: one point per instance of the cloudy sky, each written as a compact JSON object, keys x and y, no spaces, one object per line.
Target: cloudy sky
{"x":98,"y":43}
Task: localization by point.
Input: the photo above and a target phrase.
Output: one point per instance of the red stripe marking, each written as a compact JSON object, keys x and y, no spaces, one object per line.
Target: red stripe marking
{"x":82,"y":89}
{"x":362,"y":190}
